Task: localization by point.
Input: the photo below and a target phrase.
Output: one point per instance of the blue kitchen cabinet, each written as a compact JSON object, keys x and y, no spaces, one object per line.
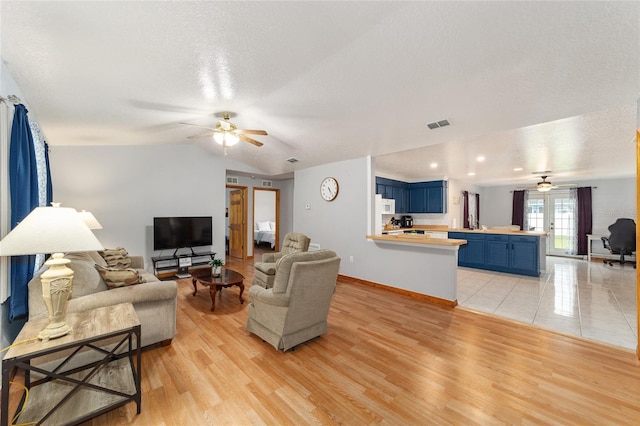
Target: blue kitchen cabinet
{"x":524,"y":255}
{"x":393,"y":190}
{"x":428,"y":197}
{"x":399,"y":194}
{"x":471,"y":254}
{"x":515,"y":254}
{"x":419,"y":197}
{"x":498,"y":252}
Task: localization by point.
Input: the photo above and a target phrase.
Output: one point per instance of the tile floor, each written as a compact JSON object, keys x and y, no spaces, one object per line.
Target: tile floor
{"x":591,"y":300}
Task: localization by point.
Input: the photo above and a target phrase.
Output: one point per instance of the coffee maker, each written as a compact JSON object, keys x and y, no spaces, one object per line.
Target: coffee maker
{"x":406,"y":221}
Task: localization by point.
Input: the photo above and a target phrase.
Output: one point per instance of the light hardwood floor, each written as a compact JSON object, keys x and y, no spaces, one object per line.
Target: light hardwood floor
{"x":387,"y":359}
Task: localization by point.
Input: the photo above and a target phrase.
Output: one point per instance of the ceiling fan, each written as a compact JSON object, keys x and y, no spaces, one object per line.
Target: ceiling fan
{"x":227,"y":134}
{"x":544,"y":186}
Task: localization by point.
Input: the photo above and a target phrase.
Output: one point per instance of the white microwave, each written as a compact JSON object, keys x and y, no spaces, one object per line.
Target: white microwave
{"x":386,"y":206}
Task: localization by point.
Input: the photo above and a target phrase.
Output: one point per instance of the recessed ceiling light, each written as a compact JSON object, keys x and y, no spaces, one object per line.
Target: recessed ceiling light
{"x":471,"y":174}
{"x":517,"y":169}
{"x":434,"y":165}
{"x":480,"y":158}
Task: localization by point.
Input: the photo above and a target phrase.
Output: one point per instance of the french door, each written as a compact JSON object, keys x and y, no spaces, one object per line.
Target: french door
{"x":554,"y":212}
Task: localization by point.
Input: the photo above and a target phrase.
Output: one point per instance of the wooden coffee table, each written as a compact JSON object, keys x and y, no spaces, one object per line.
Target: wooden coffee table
{"x":227,"y":278}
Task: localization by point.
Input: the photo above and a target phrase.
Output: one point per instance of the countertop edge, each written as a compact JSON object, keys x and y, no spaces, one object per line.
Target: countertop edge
{"x":421,"y":239}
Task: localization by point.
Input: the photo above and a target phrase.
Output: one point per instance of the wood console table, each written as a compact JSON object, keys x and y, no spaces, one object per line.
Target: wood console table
{"x":67,"y":385}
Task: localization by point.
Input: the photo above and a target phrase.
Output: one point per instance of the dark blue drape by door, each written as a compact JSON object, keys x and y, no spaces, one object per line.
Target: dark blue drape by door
{"x":517,"y":210}
{"x":23,"y":183}
{"x":585,"y":220}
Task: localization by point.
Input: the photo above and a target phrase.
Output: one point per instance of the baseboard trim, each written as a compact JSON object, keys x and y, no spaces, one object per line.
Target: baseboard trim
{"x":431,"y":299}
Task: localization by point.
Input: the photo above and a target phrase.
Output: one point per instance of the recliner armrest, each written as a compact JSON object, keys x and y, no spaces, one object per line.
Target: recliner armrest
{"x":271,"y":257}
{"x":263,"y":295}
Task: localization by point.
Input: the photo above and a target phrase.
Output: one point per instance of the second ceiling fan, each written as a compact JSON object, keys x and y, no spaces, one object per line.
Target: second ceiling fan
{"x":227,"y":134}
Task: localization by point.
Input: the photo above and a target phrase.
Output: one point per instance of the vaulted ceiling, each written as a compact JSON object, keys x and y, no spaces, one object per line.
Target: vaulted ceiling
{"x":542,"y":86}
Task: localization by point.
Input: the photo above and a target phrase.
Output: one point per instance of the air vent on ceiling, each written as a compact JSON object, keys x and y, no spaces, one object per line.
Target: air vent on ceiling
{"x":232,"y":179}
{"x":292,"y":160}
{"x":438,"y":124}
{"x":267,"y":183}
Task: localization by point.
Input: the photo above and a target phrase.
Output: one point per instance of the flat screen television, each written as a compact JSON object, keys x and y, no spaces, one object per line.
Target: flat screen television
{"x":182,"y":232}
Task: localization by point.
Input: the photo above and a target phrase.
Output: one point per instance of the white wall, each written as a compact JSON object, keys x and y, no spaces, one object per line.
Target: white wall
{"x":264,"y":207}
{"x":125,"y":187}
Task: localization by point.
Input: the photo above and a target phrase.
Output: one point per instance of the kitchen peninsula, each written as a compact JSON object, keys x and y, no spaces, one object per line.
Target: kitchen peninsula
{"x":423,"y":265}
{"x":429,"y":254}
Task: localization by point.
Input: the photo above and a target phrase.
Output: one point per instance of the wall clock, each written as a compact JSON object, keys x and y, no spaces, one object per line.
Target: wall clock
{"x":329,"y":188}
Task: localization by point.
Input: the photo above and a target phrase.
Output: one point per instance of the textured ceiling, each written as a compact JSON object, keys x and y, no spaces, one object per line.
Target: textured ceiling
{"x":538,"y":85}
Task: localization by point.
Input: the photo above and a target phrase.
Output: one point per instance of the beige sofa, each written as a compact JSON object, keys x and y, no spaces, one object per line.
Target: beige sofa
{"x":154,"y":301}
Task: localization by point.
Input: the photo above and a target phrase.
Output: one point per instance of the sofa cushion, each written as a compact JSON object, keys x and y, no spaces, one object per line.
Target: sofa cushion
{"x":97,"y":259}
{"x":119,"y":277}
{"x":116,"y":258}
{"x":86,"y":280}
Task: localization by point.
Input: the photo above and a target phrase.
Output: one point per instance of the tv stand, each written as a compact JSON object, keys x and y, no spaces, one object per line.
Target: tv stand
{"x":180,"y":265}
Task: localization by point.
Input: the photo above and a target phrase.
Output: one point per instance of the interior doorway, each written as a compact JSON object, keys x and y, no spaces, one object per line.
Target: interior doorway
{"x":236,"y":221}
{"x":266,"y":218}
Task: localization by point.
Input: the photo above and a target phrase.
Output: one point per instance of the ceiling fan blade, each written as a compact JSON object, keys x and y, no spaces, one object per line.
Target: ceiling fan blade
{"x":201,"y":135}
{"x":197,"y":125}
{"x":248,"y":139}
{"x":251,"y":132}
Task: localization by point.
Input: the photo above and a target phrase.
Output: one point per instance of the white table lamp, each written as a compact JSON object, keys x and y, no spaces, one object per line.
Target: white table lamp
{"x":90,"y":220}
{"x":52,"y":230}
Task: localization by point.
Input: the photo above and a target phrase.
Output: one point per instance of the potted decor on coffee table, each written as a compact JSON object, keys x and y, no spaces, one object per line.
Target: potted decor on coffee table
{"x":216,"y":267}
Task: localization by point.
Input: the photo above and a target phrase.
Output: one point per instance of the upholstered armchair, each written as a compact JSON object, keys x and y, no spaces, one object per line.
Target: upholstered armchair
{"x":265,"y":271}
{"x":295,"y":309}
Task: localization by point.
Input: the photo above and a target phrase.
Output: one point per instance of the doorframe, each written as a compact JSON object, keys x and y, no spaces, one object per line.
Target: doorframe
{"x":277,"y":218}
{"x":244,"y":216}
{"x":637,"y":237}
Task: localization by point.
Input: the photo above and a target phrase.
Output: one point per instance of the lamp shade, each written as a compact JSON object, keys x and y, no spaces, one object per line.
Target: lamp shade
{"x":49,"y":230}
{"x":90,"y":220}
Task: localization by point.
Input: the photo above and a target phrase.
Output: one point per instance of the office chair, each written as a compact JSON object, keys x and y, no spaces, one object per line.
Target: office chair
{"x":622,"y":240}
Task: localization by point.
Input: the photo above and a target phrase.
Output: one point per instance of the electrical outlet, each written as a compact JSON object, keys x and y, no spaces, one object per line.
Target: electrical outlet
{"x":307,"y":206}
{"x":351,"y":259}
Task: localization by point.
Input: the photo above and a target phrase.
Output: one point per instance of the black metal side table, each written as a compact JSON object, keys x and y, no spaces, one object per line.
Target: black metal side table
{"x":81,"y":375}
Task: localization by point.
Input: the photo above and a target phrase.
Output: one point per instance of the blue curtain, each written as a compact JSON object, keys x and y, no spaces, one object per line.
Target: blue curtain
{"x":23,"y":184}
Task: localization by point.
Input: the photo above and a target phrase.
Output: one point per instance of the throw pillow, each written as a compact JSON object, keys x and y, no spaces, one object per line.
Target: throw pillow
{"x":118,"y":277}
{"x":116,"y":258}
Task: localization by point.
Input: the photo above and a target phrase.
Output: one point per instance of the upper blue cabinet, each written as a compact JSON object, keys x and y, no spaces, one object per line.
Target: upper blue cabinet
{"x":394,"y":190}
{"x":418,"y":197}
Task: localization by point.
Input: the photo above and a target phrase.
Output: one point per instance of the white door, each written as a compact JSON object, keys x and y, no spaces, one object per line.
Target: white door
{"x":562,"y":225}
{"x":554,"y":212}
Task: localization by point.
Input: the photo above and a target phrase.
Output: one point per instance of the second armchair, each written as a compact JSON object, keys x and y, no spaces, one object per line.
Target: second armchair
{"x":265,"y":271}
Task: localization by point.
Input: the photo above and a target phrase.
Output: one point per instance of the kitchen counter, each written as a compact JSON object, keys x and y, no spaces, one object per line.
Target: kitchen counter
{"x":501,"y":232}
{"x":417,"y":239}
{"x":444,"y":228}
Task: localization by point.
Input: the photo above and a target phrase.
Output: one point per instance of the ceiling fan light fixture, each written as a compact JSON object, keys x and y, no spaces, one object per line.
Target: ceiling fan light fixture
{"x":544,"y":186}
{"x":226,"y":138}
{"x":231,"y":139}
{"x":219,"y":138}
